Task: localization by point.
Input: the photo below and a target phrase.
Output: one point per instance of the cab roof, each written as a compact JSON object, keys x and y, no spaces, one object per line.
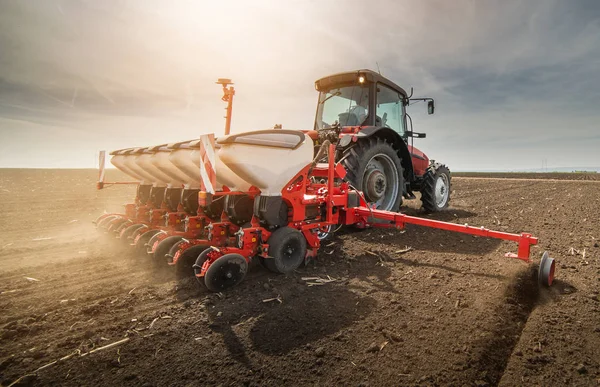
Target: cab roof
{"x":351,"y":77}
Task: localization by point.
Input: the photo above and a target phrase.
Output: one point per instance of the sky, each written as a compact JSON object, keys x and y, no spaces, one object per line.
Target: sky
{"x":516,"y":83}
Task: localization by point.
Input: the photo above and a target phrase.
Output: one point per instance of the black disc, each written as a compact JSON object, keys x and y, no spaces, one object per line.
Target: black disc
{"x":226,"y":272}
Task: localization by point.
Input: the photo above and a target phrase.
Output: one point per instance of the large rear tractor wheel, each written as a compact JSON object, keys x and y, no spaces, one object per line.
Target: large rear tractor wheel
{"x":287,"y":249}
{"x":435,"y":189}
{"x":375,"y":168}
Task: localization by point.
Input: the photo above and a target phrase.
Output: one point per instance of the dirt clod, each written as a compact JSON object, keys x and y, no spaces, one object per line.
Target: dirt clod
{"x":374,"y":347}
{"x":320,"y":352}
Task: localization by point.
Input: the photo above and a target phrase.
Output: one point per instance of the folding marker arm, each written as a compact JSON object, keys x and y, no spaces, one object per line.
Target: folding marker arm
{"x":524,"y":240}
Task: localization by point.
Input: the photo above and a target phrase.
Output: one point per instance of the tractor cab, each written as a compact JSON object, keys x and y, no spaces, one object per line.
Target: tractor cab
{"x":364,"y":115}
{"x":360,"y":98}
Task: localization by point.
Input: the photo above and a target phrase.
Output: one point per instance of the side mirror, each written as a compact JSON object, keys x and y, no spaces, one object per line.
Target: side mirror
{"x":430,"y":107}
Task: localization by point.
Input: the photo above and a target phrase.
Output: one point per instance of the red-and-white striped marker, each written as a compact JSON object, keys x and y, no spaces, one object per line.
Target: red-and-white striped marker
{"x":101,"y":165}
{"x":208,"y":174}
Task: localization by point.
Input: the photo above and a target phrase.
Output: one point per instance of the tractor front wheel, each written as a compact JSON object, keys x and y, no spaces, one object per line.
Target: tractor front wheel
{"x":375,"y":168}
{"x":435,"y":188}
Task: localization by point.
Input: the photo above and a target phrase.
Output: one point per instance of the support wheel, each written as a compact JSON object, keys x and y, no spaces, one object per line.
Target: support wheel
{"x":114,"y":224}
{"x":546,"y":270}
{"x":375,"y":168}
{"x":155,"y":239}
{"x":186,"y":259}
{"x":163,"y":248}
{"x":141,"y":245}
{"x":126,"y":234}
{"x":435,"y":188}
{"x":117,"y":227}
{"x":101,"y":224}
{"x":226,"y":272}
{"x":287,"y":247}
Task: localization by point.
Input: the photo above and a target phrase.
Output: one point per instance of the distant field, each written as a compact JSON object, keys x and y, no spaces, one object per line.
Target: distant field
{"x":532,"y":175}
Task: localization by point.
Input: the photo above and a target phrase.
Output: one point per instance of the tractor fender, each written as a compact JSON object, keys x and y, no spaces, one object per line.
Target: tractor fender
{"x":397,"y":142}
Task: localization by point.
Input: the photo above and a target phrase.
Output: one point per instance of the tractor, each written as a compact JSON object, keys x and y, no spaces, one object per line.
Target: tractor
{"x":282,"y":192}
{"x":364,"y":115}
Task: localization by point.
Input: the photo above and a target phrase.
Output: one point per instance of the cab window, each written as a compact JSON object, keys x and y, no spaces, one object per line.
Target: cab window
{"x":389,"y":109}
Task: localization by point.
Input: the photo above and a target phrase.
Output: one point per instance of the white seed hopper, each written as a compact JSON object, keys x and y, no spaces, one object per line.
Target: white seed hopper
{"x":226,"y":177}
{"x":266,"y":159}
{"x":131,"y":163}
{"x":181,"y":157}
{"x":161,"y":161}
{"x":186,"y":157}
{"x":145,"y":159}
{"x":119,"y":160}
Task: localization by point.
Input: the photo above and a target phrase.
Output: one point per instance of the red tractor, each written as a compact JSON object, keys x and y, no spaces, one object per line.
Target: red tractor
{"x":364,"y":115}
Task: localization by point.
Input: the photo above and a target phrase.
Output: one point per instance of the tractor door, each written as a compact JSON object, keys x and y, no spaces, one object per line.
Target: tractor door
{"x":389,"y":112}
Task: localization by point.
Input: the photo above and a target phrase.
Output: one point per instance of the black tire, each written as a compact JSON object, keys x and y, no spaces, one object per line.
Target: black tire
{"x":153,"y":240}
{"x":287,"y":247}
{"x":125,"y":235}
{"x":139,"y":231}
{"x":141,"y":247}
{"x":375,"y":168}
{"x":117,"y":227}
{"x":163,"y":249}
{"x":226,"y":272}
{"x":101,"y":224}
{"x":435,"y":188}
{"x":187,"y":259}
{"x":115,"y":224}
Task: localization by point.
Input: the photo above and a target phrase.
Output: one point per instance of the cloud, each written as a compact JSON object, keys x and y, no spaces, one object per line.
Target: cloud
{"x":504,"y":73}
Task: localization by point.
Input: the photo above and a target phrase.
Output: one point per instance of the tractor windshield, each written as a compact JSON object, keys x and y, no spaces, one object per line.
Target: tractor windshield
{"x":349,"y":106}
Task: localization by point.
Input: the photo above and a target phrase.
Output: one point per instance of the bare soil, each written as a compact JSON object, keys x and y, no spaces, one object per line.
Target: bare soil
{"x":452,"y":311}
{"x":533,"y":175}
